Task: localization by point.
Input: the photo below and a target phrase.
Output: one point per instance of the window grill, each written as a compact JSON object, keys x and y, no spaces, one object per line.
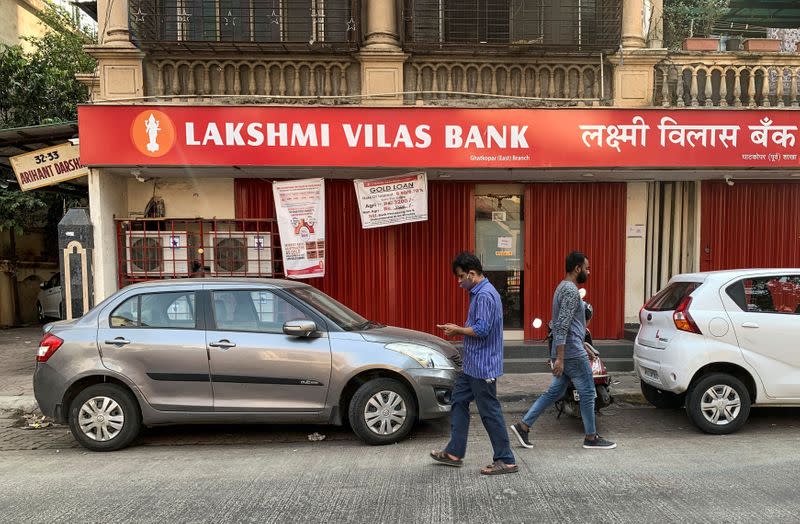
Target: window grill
{"x":592,"y":25}
{"x":154,"y":249}
{"x":308,"y":22}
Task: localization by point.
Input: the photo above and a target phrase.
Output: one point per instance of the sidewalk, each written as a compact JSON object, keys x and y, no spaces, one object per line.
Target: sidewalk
{"x":18,"y":347}
{"x":17,"y":361}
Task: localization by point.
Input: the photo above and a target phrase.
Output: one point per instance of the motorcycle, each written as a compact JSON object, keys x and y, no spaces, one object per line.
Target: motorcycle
{"x":570,"y":402}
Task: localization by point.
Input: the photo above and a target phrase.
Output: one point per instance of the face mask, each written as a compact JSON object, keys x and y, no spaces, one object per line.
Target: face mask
{"x":582,"y":277}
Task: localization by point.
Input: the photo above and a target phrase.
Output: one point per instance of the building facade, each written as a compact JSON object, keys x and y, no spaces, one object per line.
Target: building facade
{"x":641,"y":218}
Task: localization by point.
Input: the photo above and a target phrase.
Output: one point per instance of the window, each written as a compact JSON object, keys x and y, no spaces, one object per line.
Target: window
{"x":126,"y":314}
{"x":341,"y":315}
{"x":157,"y":311}
{"x":571,"y":23}
{"x":669,"y":298}
{"x":302,"y":21}
{"x":258,"y":311}
{"x":777,"y":294}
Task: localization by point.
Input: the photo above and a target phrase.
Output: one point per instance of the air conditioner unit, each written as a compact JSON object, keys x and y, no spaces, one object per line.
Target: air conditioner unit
{"x":239,"y":253}
{"x":157,"y":254}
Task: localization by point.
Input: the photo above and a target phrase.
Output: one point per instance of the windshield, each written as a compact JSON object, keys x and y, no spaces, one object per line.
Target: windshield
{"x":344,"y":317}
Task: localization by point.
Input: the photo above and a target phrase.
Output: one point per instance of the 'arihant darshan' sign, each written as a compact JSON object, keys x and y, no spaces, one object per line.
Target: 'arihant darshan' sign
{"x":436,"y":137}
{"x":48,"y":166}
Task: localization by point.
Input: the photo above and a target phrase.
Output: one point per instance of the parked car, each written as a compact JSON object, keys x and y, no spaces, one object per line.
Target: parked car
{"x":236,"y":351}
{"x":48,"y":302}
{"x":721,"y":342}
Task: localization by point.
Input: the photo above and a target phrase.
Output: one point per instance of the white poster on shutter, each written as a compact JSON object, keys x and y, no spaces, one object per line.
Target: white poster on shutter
{"x":300,"y":210}
{"x":394,"y":200}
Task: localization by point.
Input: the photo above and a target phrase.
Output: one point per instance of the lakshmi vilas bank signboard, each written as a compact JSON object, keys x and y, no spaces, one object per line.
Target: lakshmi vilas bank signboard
{"x":435,"y":137}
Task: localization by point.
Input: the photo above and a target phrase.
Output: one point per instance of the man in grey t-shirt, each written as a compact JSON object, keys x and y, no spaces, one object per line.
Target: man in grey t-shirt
{"x":569,"y":357}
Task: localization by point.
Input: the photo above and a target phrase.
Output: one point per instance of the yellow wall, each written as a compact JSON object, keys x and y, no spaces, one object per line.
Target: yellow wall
{"x":18,"y":18}
{"x":185,"y":197}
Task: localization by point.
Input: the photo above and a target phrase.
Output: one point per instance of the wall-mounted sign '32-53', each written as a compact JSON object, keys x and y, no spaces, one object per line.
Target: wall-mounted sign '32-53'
{"x":411,"y":137}
{"x":48,"y":166}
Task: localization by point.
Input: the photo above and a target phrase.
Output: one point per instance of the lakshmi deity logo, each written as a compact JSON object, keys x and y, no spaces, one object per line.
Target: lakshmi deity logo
{"x":153,"y":133}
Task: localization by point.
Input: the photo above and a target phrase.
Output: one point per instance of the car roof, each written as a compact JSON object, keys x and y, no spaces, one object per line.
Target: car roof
{"x":261,"y":282}
{"x":730,"y":274}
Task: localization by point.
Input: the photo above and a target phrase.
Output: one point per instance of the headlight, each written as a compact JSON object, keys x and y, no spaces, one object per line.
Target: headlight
{"x":425,"y":356}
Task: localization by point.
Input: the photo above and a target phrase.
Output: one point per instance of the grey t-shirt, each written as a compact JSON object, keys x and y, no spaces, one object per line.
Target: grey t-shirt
{"x":569,"y":321}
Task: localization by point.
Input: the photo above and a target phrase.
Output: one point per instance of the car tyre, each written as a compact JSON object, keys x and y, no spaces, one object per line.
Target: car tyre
{"x":382,"y":411}
{"x":720,"y":395}
{"x":661,"y":399}
{"x":111,"y":402}
{"x":40,"y":313}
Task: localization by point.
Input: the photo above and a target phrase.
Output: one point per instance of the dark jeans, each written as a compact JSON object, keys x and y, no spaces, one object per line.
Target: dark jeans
{"x":484,"y":394}
{"x":579,"y":371}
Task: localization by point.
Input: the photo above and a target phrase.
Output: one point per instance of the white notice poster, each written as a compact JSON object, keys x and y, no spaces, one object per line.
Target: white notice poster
{"x":300,"y":210}
{"x":394,"y":200}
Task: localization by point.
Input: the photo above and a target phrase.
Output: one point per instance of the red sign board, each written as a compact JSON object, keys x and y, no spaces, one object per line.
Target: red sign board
{"x":436,"y":137}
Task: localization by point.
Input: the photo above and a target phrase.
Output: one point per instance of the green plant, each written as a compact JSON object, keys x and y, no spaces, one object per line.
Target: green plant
{"x":685,"y":18}
{"x":39,"y":85}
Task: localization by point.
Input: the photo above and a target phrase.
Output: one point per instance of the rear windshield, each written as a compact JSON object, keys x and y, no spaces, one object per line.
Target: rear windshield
{"x":669,"y":298}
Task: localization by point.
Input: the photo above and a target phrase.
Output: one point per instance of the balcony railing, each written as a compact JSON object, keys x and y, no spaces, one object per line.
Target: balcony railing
{"x":554,"y":81}
{"x":728,"y":80}
{"x":284,"y":79}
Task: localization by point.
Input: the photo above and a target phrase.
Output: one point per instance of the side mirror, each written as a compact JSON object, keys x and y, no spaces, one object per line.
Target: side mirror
{"x":299,"y":328}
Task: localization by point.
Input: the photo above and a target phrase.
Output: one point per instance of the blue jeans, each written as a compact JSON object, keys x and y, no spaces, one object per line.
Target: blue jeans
{"x":579,"y":371}
{"x":465,"y":390}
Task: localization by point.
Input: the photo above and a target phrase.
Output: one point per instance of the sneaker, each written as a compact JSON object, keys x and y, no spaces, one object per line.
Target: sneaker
{"x":598,"y":443}
{"x":522,"y":435}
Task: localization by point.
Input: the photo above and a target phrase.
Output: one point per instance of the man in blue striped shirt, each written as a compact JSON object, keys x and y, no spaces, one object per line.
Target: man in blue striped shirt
{"x":482,"y":365}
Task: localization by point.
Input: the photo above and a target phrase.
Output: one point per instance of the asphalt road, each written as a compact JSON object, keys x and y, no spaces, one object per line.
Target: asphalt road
{"x":663,"y":471}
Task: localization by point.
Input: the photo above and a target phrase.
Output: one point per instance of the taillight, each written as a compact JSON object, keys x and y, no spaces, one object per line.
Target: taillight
{"x":683,"y":319}
{"x":48,"y":346}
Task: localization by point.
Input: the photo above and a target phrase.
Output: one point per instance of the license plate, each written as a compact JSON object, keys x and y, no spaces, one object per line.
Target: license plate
{"x":576,"y":395}
{"x":650,"y":373}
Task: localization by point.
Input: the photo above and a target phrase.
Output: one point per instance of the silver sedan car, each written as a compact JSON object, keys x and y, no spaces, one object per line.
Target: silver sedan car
{"x":236,"y":351}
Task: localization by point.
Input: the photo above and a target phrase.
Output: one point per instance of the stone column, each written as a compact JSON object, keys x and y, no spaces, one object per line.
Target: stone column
{"x":635,"y":76}
{"x":635,"y":250}
{"x":108,"y":198}
{"x":115,"y":32}
{"x":382,"y":58}
{"x":633,"y":36}
{"x":381,"y":31}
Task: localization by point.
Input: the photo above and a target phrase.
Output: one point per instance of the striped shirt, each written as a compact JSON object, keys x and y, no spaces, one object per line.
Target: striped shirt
{"x":483,"y":353}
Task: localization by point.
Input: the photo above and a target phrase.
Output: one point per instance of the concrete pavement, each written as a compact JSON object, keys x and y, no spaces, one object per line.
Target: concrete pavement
{"x":663,"y":471}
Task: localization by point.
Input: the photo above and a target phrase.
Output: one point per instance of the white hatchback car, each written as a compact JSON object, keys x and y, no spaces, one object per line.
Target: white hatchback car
{"x":720,"y":342}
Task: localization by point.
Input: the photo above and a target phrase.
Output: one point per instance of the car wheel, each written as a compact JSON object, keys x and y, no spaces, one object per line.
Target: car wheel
{"x":40,"y":313}
{"x":105,"y":417}
{"x":382,"y":411}
{"x":661,"y":399}
{"x":718,"y":404}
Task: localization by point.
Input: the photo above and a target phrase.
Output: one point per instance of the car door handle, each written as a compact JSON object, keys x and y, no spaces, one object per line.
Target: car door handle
{"x":223,"y":344}
{"x":119,"y":341}
{"x":751,"y":325}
